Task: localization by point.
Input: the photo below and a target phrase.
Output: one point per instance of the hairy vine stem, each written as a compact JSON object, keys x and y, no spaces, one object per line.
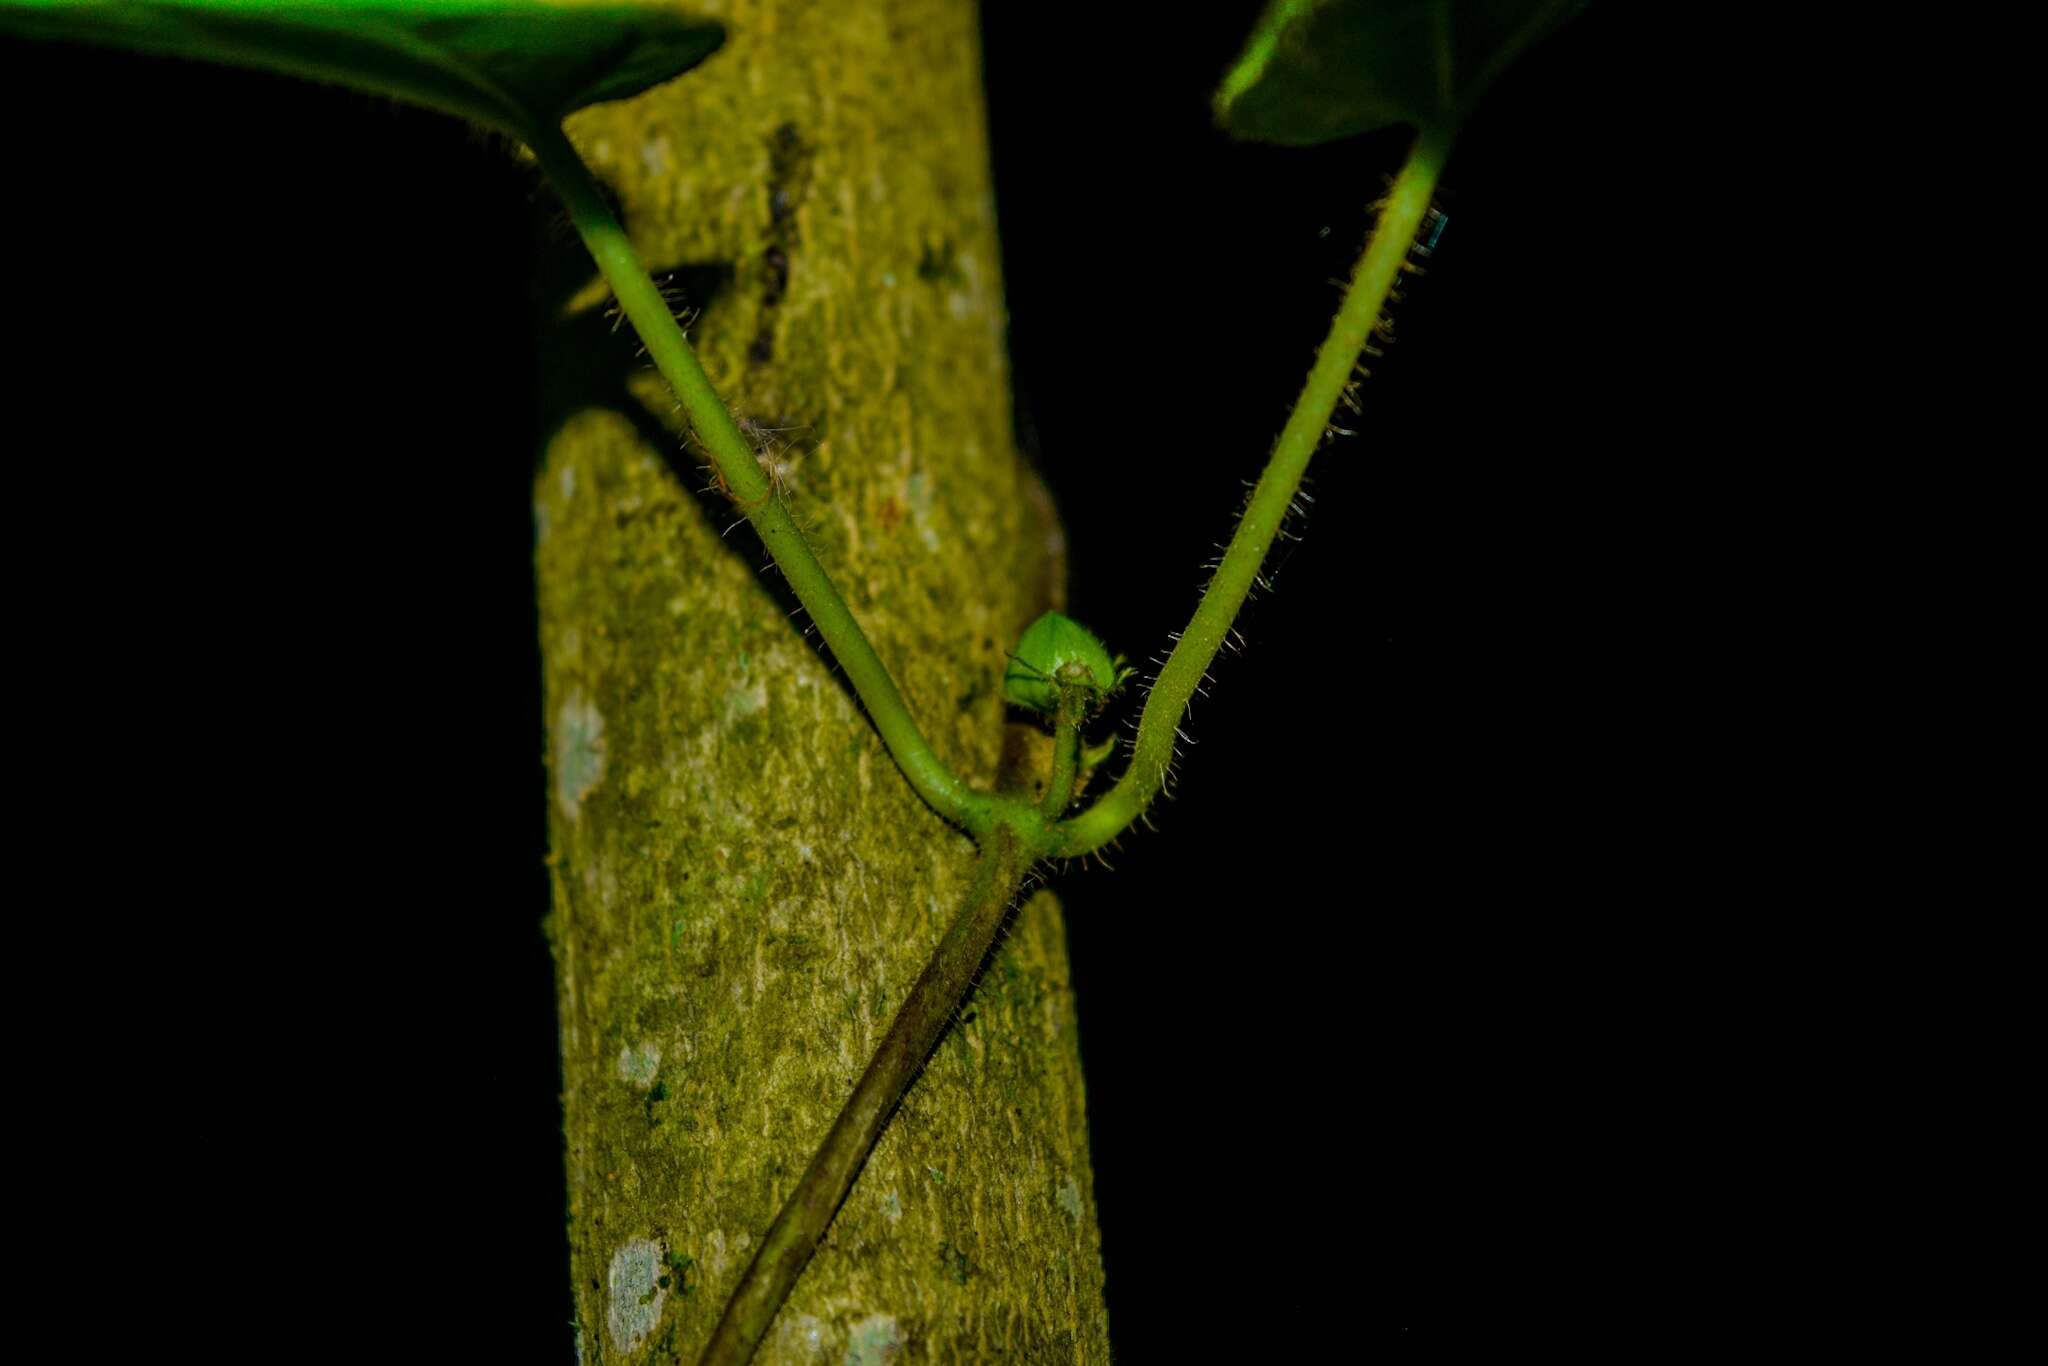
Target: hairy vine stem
{"x":1401,"y":215}
{"x":1066,"y":753}
{"x":751,"y":489}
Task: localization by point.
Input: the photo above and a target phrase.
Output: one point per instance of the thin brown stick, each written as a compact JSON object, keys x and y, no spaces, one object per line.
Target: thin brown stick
{"x":787,"y":1247}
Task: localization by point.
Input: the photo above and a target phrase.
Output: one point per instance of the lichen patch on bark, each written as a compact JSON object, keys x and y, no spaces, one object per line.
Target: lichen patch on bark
{"x":579,"y":752}
{"x":634,"y":1293}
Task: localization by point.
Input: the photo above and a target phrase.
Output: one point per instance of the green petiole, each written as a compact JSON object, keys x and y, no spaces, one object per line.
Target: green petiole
{"x":1406,"y":205}
{"x":751,"y":491}
{"x":1066,"y":752}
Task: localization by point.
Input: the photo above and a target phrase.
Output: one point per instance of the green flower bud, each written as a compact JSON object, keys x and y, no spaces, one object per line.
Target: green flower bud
{"x":1055,"y":652}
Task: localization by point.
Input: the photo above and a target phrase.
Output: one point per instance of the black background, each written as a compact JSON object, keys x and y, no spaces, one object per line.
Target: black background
{"x":1376,"y":1029}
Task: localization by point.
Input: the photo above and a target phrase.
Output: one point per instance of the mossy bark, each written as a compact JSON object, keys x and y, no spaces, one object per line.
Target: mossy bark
{"x":745,"y":887}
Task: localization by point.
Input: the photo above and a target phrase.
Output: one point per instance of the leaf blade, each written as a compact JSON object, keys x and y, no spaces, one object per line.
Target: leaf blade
{"x":1317,"y":70}
{"x":513,"y":65}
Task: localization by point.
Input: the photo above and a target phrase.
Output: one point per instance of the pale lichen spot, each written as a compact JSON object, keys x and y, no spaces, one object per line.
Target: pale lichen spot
{"x":543,"y":523}
{"x":876,"y":1340}
{"x":961,"y":303}
{"x":568,"y":481}
{"x":1070,"y":1198}
{"x":601,"y":883}
{"x":917,"y":491}
{"x":634,"y":1293}
{"x":654,"y":156}
{"x":892,"y":1207}
{"x":745,"y":701}
{"x":640,"y":1063}
{"x":579,"y":752}
{"x":715,"y":1254}
{"x":799,"y":1338}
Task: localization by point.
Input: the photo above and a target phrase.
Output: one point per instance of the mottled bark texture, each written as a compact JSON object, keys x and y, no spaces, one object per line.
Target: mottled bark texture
{"x":745,"y":888}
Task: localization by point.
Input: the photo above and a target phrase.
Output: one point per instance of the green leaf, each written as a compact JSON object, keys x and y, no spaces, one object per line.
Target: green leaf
{"x":1317,"y":70}
{"x":513,"y":65}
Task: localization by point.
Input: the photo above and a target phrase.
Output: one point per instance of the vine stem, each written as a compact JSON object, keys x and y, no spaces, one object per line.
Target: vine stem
{"x":1385,"y":252}
{"x":787,"y":1246}
{"x":751,"y":489}
{"x":1066,"y":751}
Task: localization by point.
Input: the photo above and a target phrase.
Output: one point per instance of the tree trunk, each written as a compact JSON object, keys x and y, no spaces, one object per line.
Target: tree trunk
{"x":744,"y":885}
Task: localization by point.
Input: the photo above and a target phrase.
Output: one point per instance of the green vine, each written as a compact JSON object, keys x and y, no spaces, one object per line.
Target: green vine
{"x":751,"y":490}
{"x":1401,"y":214}
{"x":1066,"y":753}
